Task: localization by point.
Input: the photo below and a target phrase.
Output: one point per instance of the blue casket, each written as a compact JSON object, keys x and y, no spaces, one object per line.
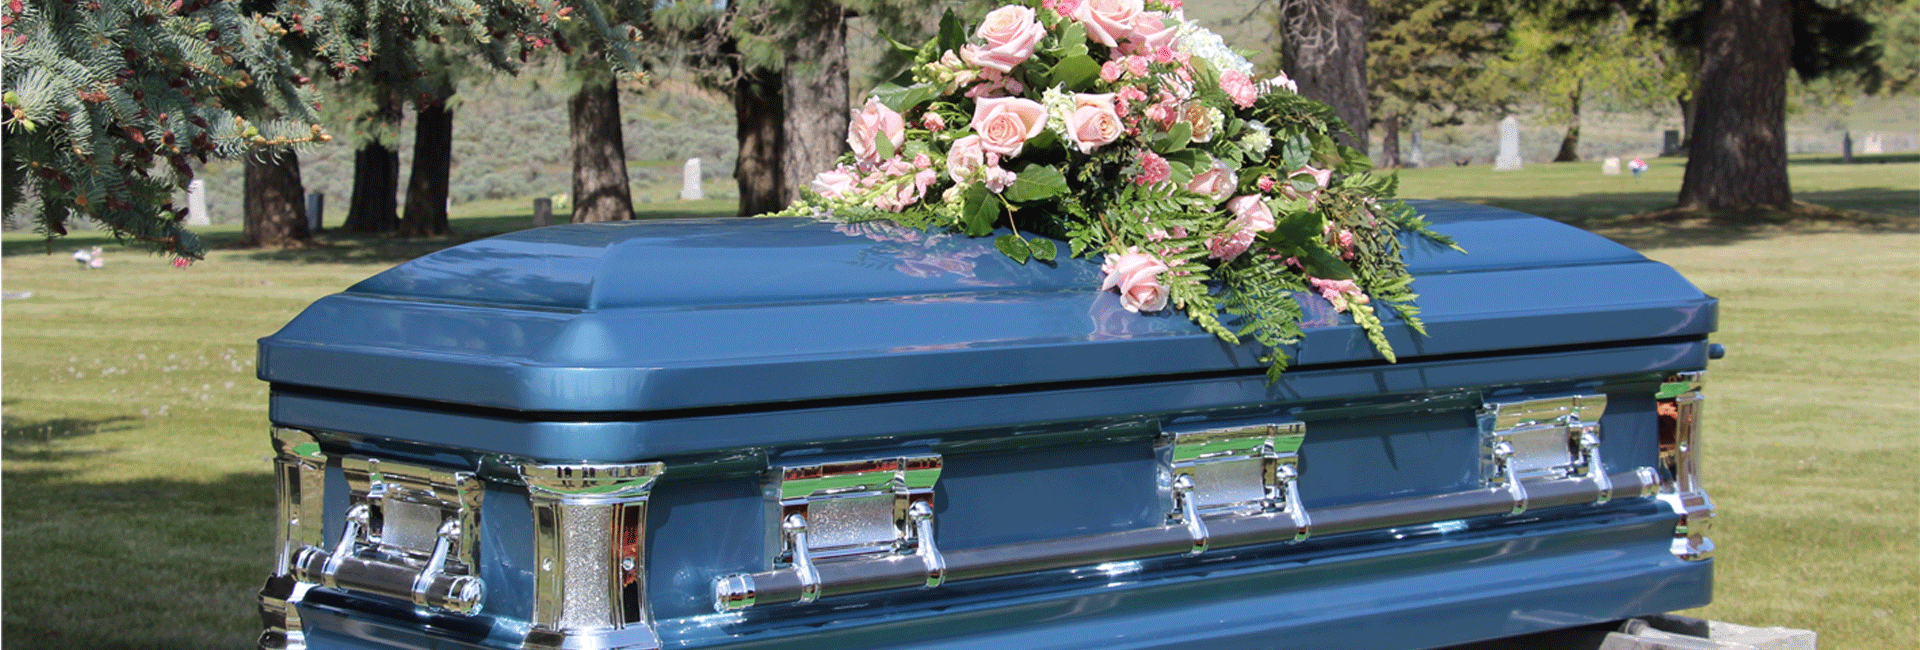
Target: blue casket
{"x":781,"y":433}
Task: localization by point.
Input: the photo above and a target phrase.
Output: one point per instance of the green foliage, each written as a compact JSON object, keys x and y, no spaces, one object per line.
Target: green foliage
{"x":1431,"y":58}
{"x":107,"y":103}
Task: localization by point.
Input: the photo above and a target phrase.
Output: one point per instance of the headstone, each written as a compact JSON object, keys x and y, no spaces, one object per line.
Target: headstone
{"x":542,"y":213}
{"x":1873,"y":145}
{"x":197,"y":204}
{"x":1509,"y":157}
{"x":690,"y":181}
{"x":1671,"y":145}
{"x":1417,"y":159}
{"x":1610,"y":166}
{"x":316,"y":205}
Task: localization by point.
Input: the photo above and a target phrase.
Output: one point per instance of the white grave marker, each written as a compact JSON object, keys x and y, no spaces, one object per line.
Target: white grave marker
{"x":1610,"y":166}
{"x":1509,"y":157}
{"x":690,"y":181}
{"x":197,"y":204}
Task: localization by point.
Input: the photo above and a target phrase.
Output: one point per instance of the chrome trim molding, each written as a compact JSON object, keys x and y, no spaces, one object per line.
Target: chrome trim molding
{"x":299,"y":468}
{"x":848,"y":510}
{"x":1680,"y":403}
{"x":589,"y":551}
{"x":1234,"y":472}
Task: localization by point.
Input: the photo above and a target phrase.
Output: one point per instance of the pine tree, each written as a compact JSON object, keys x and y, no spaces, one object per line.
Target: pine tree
{"x":107,"y":102}
{"x":1428,"y":61}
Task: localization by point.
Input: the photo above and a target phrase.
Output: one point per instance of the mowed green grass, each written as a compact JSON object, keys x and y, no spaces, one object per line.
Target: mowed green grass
{"x":138,"y":489}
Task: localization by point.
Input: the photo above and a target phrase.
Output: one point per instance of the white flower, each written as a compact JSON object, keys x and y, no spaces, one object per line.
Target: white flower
{"x":1201,"y":42}
{"x":1257,"y":137}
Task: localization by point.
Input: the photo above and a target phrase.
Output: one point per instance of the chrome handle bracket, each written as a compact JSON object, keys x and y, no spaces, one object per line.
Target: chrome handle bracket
{"x":1542,"y":439}
{"x":1236,"y":471}
{"x":410,"y":534}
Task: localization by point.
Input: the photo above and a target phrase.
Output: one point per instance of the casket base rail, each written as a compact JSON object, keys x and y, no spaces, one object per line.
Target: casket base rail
{"x":785,"y":434}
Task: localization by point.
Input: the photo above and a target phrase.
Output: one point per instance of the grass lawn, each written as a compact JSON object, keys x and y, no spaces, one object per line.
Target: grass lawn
{"x":137,"y":486}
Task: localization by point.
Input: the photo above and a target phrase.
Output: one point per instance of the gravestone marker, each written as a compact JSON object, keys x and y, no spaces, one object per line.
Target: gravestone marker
{"x":690,"y":181}
{"x":1671,"y":145}
{"x":542,"y":213}
{"x":316,"y":204}
{"x":1873,"y":145}
{"x":197,"y":204}
{"x":1610,"y":166}
{"x":1417,"y":159}
{"x":1509,"y":157}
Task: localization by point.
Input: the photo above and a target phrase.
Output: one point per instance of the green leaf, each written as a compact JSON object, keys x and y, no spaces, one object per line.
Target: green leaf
{"x":1076,"y":72}
{"x":1298,"y":226}
{"x":953,"y":32}
{"x":978,"y":210}
{"x":1073,"y":40}
{"x":1322,"y":263}
{"x":883,"y":146}
{"x":1013,"y":247}
{"x":1044,"y":250}
{"x":900,"y":98}
{"x":1356,"y":162}
{"x":1035,"y":183}
{"x":1175,"y":138}
{"x":1295,"y":152}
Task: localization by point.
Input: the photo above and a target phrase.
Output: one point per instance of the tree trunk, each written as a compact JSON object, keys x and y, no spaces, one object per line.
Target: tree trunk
{"x":376,"y":178}
{"x":1570,"y":145}
{"x":1324,"y":43}
{"x":1686,"y":122}
{"x":759,"y":123}
{"x":1390,"y":141}
{"x":1738,"y":155}
{"x":814,"y":96}
{"x":600,"y":190}
{"x":275,"y":202}
{"x":427,"y":183}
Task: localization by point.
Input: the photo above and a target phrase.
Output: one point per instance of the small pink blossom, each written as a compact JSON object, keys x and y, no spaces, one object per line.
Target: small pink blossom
{"x":1111,"y":71}
{"x":1283,"y":82}
{"x":1265,"y":183}
{"x":994,"y":83}
{"x":1136,"y":275}
{"x":1239,"y":87}
{"x":1006,"y":123}
{"x":1342,"y":293}
{"x":875,"y":121}
{"x":997,"y":179}
{"x":1153,"y":169}
{"x":181,"y":262}
{"x":933,"y":122}
{"x":965,"y":158}
{"x":1061,"y":8}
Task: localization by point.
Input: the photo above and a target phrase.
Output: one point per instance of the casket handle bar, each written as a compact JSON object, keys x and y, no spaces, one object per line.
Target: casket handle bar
{"x":1529,"y":440}
{"x":785,"y":585}
{"x":407,"y":536}
{"x":428,"y":587}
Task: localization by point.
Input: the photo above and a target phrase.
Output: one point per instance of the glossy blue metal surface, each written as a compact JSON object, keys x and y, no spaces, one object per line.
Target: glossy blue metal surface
{"x":651,"y":316}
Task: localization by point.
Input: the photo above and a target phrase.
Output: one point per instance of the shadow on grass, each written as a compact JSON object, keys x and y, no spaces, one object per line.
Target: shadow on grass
{"x":25,"y":441}
{"x":1648,"y":220}
{"x":155,"y":564}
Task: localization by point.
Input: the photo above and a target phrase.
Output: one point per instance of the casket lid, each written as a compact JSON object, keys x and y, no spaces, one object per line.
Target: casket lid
{"x":685,"y":314}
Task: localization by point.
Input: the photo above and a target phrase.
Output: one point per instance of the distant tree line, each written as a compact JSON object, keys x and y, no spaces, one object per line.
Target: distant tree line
{"x":108,"y":102}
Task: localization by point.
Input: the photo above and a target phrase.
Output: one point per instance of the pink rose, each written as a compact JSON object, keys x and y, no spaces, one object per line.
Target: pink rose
{"x":1109,"y":21}
{"x":1230,"y":245}
{"x":1010,"y":33}
{"x":1005,"y":123}
{"x":1094,"y":122}
{"x":875,"y":121}
{"x":1239,"y":87}
{"x":1151,"y":31}
{"x":965,"y":158}
{"x":834,"y":184}
{"x":1137,"y":277}
{"x":1250,"y":212}
{"x":1321,"y":177}
{"x":1217,"y":182}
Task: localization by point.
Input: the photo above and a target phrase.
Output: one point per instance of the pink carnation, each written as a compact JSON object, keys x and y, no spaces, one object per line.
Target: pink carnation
{"x":1153,"y":169}
{"x":1239,"y":87}
{"x":1342,"y":293}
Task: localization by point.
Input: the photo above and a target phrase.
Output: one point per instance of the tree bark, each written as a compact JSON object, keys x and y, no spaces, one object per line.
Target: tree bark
{"x":1390,"y":141}
{"x":759,"y":124}
{"x":1738,"y":155}
{"x":376,"y":178}
{"x":428,"y":181}
{"x":814,"y":96}
{"x":275,"y":202}
{"x":1324,"y":43}
{"x":1570,"y":144}
{"x":600,"y":190}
